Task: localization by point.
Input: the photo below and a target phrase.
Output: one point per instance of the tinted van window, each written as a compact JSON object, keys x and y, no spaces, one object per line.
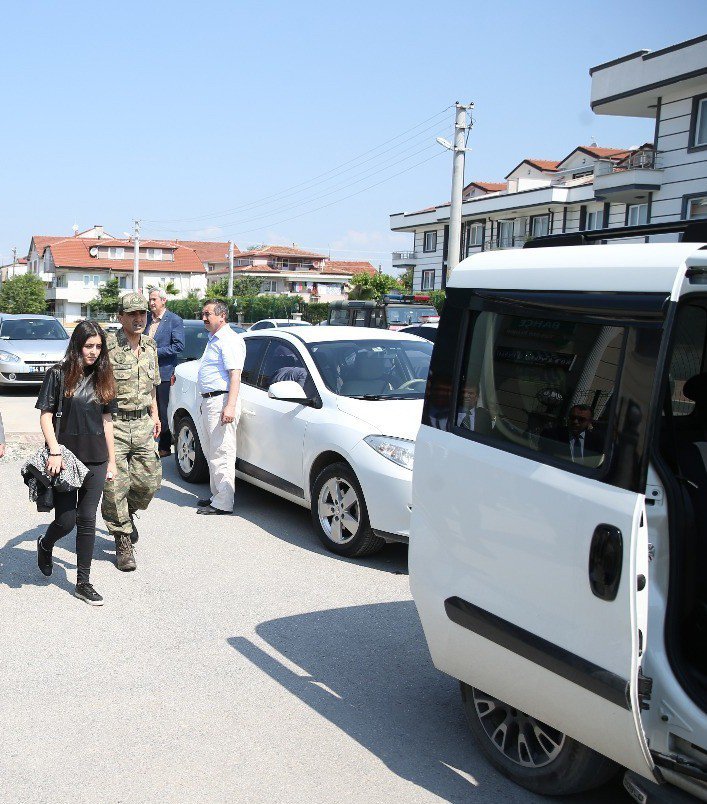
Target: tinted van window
{"x":539,"y":383}
{"x":254,"y":350}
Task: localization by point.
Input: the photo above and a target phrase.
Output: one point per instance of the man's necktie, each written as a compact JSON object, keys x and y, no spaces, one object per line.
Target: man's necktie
{"x":466,"y":421}
{"x":577,"y":448}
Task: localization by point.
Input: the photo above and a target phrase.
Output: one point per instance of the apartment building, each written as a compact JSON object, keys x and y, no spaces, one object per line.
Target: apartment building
{"x":592,"y":187}
{"x":292,"y":271}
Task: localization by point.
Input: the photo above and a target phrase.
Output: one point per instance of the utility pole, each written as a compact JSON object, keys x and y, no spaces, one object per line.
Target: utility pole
{"x":455,"y":211}
{"x":14,"y":260}
{"x":136,"y":257}
{"x":230,"y":268}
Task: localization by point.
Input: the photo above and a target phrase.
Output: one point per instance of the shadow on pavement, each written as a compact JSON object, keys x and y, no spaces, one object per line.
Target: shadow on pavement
{"x":18,"y":560}
{"x":366,"y":669}
{"x":280,"y":518}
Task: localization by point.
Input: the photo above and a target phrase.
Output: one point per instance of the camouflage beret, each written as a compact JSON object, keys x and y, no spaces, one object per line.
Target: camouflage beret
{"x":132,"y":302}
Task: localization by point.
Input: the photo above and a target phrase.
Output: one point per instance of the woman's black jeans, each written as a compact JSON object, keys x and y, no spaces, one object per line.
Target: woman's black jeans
{"x":77,"y":509}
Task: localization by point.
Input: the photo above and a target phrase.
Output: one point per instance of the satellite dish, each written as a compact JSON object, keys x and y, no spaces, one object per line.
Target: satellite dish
{"x":93,"y":251}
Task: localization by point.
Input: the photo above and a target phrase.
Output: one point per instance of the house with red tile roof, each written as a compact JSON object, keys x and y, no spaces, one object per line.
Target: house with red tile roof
{"x":294,"y":271}
{"x":74,"y":267}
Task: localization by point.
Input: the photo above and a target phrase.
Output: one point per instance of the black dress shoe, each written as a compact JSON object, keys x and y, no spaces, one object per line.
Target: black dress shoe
{"x":204,"y":503}
{"x":209,"y":509}
{"x":44,"y":558}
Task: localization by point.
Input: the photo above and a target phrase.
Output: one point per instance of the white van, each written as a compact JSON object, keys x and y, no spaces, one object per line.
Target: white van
{"x":558,"y":547}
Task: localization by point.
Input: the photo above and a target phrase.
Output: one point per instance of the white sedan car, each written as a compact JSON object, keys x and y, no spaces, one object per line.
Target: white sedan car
{"x":328,"y":420}
{"x":276,"y":323}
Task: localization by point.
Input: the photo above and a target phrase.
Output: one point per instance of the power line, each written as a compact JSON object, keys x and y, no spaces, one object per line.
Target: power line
{"x":337,"y":201}
{"x":312,"y":182}
{"x":286,"y":207}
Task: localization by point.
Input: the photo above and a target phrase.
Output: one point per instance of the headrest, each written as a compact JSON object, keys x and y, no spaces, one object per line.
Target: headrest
{"x":696,"y":389}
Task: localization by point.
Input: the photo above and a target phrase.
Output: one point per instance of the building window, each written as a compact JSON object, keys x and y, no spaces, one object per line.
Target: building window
{"x":595,"y":219}
{"x":154,"y":253}
{"x":540,"y":225}
{"x":428,"y":280}
{"x":116,"y":253}
{"x":636,"y":214}
{"x":698,"y":123}
{"x":505,"y":234}
{"x":429,"y":242}
{"x":696,"y":208}
{"x":125,"y":282}
{"x":269,"y":286}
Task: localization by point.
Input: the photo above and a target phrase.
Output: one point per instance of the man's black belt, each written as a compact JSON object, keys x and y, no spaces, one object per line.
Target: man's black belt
{"x":213,"y":393}
{"x":126,"y":415}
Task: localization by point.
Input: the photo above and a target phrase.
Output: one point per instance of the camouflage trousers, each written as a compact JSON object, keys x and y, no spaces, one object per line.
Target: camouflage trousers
{"x":138,"y":476}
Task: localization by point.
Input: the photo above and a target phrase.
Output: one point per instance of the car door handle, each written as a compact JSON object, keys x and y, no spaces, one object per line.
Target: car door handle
{"x":247,"y":412}
{"x":606,"y":557}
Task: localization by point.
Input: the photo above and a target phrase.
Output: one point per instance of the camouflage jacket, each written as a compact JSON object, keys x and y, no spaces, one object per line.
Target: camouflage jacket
{"x":135,"y":377}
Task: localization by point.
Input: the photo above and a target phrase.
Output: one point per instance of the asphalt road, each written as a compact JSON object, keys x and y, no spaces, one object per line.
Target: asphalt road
{"x":241,"y":662}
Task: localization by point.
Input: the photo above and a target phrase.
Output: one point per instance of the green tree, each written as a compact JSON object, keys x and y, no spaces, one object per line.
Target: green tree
{"x":23,"y":294}
{"x":437,"y":298}
{"x":372,"y":286}
{"x":242,"y":286}
{"x":405,"y":278}
{"x":107,"y":299}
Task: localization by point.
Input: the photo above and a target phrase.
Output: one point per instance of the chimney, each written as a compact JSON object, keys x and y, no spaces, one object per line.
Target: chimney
{"x":99,"y":230}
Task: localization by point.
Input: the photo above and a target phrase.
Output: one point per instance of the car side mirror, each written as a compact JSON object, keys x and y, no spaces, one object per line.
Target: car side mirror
{"x":289,"y":391}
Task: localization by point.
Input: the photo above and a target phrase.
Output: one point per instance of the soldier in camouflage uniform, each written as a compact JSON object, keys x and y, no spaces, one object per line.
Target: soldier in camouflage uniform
{"x":133,"y":357}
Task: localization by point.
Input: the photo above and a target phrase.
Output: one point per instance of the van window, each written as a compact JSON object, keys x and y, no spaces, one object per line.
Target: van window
{"x":539,"y":383}
{"x":688,"y":355}
{"x":339,"y":317}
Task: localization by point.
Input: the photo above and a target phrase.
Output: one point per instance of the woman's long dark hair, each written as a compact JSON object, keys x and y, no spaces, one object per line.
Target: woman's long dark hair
{"x":73,"y":367}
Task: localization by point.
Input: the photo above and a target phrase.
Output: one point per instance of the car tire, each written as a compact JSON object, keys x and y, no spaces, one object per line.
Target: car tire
{"x":531,"y":753}
{"x":339,"y":513}
{"x":188,"y":455}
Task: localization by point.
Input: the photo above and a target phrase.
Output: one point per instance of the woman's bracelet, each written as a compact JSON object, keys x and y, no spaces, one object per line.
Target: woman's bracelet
{"x":55,"y":454}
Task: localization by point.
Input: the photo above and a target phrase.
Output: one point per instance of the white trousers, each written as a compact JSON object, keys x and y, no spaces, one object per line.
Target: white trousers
{"x":219,"y":447}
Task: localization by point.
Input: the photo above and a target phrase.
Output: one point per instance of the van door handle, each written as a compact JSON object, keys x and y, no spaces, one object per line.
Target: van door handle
{"x":606,"y":557}
{"x":248,"y":412}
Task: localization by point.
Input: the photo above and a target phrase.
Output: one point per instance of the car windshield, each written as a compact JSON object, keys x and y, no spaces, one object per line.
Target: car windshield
{"x":32,"y":329}
{"x":412,"y":314}
{"x":376,"y":369}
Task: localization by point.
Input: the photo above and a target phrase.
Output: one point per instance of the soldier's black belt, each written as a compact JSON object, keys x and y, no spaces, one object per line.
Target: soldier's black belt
{"x":213,"y":393}
{"x":127,"y":415}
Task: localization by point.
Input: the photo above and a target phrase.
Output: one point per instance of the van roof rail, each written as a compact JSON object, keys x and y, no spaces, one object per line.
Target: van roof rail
{"x":692,"y":232}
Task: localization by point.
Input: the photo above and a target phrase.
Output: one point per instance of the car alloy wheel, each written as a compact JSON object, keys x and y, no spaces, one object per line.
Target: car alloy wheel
{"x":186,"y":448}
{"x":339,"y":510}
{"x":519,"y":737}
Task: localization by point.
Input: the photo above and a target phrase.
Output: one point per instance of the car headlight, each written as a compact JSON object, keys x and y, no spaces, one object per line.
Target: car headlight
{"x":8,"y":357}
{"x":397,"y":450}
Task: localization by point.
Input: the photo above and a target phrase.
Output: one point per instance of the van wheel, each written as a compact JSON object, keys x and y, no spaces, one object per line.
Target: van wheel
{"x":531,"y":753}
{"x":191,"y":463}
{"x":339,"y":513}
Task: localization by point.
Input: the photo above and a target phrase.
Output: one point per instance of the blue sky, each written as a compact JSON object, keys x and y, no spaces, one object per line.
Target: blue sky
{"x":176,"y":112}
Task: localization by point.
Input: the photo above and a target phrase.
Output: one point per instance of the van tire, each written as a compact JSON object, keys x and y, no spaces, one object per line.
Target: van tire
{"x":574,"y":768}
{"x":364,"y":541}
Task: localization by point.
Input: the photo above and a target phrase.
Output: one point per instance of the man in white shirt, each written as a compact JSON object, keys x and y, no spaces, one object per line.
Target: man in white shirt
{"x":219,"y":382}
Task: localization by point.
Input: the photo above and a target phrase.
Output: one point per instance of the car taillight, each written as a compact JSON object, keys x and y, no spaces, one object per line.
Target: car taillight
{"x":172,"y":379}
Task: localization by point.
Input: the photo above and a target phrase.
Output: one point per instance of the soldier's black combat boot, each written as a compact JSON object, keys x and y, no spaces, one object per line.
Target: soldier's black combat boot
{"x":125,"y":558}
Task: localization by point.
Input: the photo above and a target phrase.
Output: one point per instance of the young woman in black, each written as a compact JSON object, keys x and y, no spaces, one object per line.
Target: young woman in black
{"x":86,"y":428}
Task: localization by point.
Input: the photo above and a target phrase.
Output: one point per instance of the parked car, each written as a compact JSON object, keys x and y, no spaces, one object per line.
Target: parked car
{"x":29,"y":345}
{"x":275,"y":323}
{"x":329,"y":420}
{"x":558,"y":559}
{"x":393,"y":311}
{"x":426,"y":331}
{"x":195,"y":337}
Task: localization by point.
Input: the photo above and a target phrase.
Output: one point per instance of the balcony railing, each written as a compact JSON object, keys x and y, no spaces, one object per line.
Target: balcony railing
{"x":403,"y":256}
{"x":640,"y":160}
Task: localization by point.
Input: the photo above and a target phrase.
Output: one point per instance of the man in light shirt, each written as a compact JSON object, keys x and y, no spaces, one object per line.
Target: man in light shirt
{"x":218,"y":383}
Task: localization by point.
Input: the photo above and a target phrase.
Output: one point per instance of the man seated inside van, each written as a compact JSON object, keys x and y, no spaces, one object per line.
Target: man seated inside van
{"x":578,"y":441}
{"x":469,"y":415}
